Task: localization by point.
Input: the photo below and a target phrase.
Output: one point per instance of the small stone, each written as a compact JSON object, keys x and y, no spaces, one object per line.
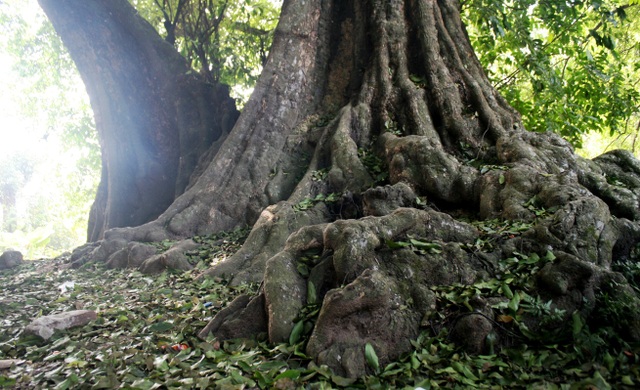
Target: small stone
{"x":471,"y":332}
{"x":10,"y":259}
{"x":47,"y":325}
{"x":8,"y":363}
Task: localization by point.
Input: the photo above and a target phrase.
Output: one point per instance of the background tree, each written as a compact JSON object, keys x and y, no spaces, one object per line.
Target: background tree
{"x":159,"y":171}
{"x":150,"y":144}
{"x":375,"y":139}
{"x":16,"y":171}
{"x":53,"y":102}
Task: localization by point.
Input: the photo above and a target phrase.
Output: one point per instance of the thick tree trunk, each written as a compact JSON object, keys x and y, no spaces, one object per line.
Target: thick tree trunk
{"x":155,"y":119}
{"x":401,"y":81}
{"x":356,"y":89}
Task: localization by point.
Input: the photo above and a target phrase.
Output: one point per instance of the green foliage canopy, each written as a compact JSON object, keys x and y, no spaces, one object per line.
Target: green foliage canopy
{"x":570,"y":67}
{"x":227,"y":41}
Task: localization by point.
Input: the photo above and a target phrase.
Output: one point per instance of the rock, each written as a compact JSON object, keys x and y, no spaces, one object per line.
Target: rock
{"x":10,"y":259}
{"x":471,"y":331}
{"x":47,"y":325}
{"x":8,"y":363}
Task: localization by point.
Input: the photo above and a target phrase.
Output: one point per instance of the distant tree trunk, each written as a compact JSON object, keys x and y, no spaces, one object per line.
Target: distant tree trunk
{"x":373,"y":123}
{"x":8,"y":213}
{"x":154,"y":117}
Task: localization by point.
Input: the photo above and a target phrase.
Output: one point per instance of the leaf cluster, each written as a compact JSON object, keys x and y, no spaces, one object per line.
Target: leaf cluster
{"x":226,"y":41}
{"x":309,"y":202}
{"x":418,"y":246}
{"x":567,"y":67}
{"x":566,"y":358}
{"x":375,"y":165}
{"x":496,"y":230}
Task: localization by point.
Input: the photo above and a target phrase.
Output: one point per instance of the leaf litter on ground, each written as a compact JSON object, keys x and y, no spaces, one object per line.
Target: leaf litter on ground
{"x":145,"y":338}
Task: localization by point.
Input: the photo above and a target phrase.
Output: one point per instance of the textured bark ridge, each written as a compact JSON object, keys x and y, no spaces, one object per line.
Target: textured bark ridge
{"x":385,"y":105}
{"x":156,"y":119}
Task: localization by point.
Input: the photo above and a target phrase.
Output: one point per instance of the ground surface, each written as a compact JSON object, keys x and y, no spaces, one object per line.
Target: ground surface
{"x":145,"y":338}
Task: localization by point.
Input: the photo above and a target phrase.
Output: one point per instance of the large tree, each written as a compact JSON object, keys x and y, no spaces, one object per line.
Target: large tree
{"x":155,"y":118}
{"x":374,"y":140}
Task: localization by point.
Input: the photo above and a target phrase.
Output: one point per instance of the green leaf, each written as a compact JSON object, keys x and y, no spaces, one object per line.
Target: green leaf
{"x":303,"y":269}
{"x":371,"y":357}
{"x":67,"y":383}
{"x":290,"y":374}
{"x":397,"y":244}
{"x":161,"y":327}
{"x":626,"y":380}
{"x":332,"y":197}
{"x":422,"y":244}
{"x":6,"y":381}
{"x":514,"y":303}
{"x":143,"y":384}
{"x":311,"y":293}
{"x":464,"y":370}
{"x":342,"y":381}
{"x":506,"y":290}
{"x":599,"y":381}
{"x":296,"y":332}
{"x":578,"y":323}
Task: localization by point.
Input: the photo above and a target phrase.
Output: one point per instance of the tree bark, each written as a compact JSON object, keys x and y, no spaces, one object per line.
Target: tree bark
{"x":155,"y":118}
{"x":385,"y":104}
